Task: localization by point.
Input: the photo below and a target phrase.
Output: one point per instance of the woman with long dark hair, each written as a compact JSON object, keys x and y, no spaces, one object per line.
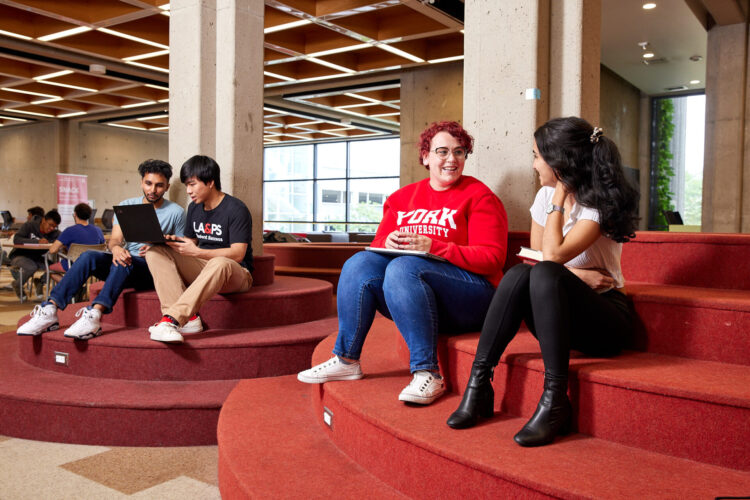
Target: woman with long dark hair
{"x":573,"y":298}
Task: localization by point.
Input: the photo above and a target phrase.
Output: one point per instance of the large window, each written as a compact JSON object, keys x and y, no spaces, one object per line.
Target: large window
{"x":677,"y":159}
{"x":338,"y":186}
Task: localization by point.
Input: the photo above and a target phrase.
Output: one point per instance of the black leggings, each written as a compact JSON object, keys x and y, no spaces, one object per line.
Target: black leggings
{"x":561,"y":311}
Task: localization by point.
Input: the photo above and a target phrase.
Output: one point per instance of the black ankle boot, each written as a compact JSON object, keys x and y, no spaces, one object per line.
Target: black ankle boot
{"x":478,"y":400}
{"x":552,"y":416}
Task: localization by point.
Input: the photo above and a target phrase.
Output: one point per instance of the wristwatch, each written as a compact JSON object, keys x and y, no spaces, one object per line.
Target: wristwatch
{"x":555,"y":208}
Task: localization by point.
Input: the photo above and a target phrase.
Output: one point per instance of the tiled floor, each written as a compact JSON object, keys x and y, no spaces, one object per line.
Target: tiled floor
{"x":35,"y":469}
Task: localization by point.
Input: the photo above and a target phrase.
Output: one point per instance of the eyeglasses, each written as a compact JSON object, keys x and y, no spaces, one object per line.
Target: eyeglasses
{"x":458,"y":153}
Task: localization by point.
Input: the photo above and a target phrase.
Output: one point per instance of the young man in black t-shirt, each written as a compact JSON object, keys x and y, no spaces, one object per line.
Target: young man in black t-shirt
{"x":215,"y":256}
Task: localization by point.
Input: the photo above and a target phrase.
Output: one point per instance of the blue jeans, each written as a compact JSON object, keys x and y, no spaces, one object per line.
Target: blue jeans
{"x":422,"y":296}
{"x":116,"y":278}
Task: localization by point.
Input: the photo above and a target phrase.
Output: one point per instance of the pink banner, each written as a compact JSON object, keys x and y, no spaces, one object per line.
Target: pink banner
{"x":72,"y":189}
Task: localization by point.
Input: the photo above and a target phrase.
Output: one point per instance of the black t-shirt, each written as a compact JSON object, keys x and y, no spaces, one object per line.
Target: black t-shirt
{"x":228,"y":223}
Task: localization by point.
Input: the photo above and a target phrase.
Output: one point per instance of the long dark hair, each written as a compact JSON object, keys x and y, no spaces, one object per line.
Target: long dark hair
{"x":589,"y":165}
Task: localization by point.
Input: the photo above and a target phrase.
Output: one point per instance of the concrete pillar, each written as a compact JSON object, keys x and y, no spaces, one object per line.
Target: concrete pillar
{"x":428,"y":94}
{"x":239,"y":108}
{"x":644,"y":160}
{"x":192,"y":84}
{"x":726,"y":86}
{"x":575,"y":55}
{"x":506,"y":47}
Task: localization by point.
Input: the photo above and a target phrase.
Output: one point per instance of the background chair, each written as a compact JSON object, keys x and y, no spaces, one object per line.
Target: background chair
{"x":7,"y":220}
{"x":55,"y":268}
{"x":673,"y":217}
{"x":107,"y":217}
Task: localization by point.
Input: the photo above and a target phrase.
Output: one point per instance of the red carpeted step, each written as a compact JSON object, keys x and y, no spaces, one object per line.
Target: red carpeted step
{"x":48,"y":406}
{"x":270,"y":446}
{"x":286,"y":301}
{"x":411,"y":448}
{"x":687,"y":408}
{"x":701,"y":323}
{"x":129,"y":353}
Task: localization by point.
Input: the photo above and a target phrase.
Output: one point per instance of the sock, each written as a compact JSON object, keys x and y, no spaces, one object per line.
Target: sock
{"x":169,"y":319}
{"x":345,"y":362}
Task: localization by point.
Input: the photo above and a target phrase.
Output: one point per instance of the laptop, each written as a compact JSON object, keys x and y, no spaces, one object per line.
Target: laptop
{"x":396,"y":253}
{"x":139,"y":223}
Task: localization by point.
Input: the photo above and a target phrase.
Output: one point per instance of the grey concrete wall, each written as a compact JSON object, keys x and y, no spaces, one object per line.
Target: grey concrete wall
{"x":620,"y":115}
{"x":428,"y":94}
{"x":110,"y":157}
{"x":29,"y":157}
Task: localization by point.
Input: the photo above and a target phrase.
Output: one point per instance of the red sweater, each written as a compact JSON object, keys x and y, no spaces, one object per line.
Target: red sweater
{"x":467,"y":223}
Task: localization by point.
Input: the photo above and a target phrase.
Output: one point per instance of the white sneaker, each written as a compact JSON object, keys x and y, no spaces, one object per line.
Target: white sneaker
{"x":333,"y":369}
{"x":164,"y":331}
{"x":423,"y":389}
{"x":87,"y":326}
{"x":43,"y":319}
{"x":195,"y":325}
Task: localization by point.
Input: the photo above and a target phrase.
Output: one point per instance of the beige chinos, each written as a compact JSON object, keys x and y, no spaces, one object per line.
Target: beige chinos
{"x":205,"y":278}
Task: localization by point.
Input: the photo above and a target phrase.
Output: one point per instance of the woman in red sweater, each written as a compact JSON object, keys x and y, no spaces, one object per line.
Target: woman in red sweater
{"x":449,"y":215}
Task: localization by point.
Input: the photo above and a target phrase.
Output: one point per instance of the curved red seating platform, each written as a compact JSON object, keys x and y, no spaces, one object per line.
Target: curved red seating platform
{"x":122,"y":388}
{"x":666,"y":419}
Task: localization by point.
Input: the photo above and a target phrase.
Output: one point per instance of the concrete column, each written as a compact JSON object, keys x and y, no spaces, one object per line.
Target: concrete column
{"x":428,"y":94}
{"x":239,"y":108}
{"x":726,"y":84}
{"x":575,"y":55}
{"x":506,"y":47}
{"x":192,"y":84}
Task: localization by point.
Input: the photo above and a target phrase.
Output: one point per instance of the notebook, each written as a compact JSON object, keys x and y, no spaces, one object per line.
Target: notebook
{"x":396,"y":252}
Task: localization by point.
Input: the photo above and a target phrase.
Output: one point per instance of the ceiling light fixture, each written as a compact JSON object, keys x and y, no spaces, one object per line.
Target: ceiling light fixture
{"x":337,"y":67}
{"x":281,"y":27}
{"x":12,"y":118}
{"x":148,"y":66}
{"x":63,"y":34}
{"x":694,"y":82}
{"x":138,"y":104}
{"x":32,"y":113}
{"x":648,"y":55}
{"x":158,"y":87}
{"x":15,"y":35}
{"x":399,"y":52}
{"x":45,"y":101}
{"x":445,"y":59}
{"x":340,"y":50}
{"x":649,"y":6}
{"x":158,"y":129}
{"x":68,"y":115}
{"x":153,"y":117}
{"x":29,"y":92}
{"x":133,"y":38}
{"x":146,"y":56}
{"x":53,"y":75}
{"x":280,"y":77}
{"x":125,"y":126}
{"x":77,"y":87}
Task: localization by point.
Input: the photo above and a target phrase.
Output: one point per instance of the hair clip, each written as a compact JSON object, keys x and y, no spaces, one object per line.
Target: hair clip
{"x":598,"y":132}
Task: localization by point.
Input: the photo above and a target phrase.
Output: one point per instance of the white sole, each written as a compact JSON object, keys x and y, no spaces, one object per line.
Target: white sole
{"x":86,"y":336}
{"x":310,"y":380}
{"x":408,"y":398}
{"x":52,"y":328}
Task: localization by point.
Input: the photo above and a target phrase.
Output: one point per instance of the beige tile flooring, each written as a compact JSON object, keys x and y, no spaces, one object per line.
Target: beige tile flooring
{"x":40,"y":470}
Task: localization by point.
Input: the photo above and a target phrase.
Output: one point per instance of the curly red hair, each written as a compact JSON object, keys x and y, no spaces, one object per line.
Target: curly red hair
{"x":453,"y":128}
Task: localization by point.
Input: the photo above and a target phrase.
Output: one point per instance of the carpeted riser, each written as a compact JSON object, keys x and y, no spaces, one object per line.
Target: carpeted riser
{"x":420,"y":473}
{"x":331,"y":277}
{"x":680,"y":427}
{"x":177,"y":362}
{"x":701,"y":260}
{"x":693,"y":332}
{"x":108,"y":426}
{"x":256,"y":309}
{"x":312,"y":254}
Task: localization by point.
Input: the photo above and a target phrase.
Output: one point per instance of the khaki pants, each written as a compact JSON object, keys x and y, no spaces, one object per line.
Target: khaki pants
{"x":172,"y":272}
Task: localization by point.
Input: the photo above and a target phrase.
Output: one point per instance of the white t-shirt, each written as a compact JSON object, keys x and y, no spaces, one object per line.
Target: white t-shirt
{"x":604,"y":253}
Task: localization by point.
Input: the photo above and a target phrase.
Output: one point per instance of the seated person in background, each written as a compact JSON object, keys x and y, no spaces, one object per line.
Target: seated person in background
{"x":82,"y":232}
{"x":125,"y":267}
{"x":215,"y":255}
{"x":450,"y":215}
{"x":32,"y":212}
{"x":574,"y":298}
{"x":38,"y":230}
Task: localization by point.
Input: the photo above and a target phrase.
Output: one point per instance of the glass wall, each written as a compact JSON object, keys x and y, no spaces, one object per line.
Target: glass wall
{"x":339,"y":186}
{"x":677,"y":161}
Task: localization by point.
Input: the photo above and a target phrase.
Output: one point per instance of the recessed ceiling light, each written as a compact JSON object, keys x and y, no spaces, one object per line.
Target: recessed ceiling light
{"x":648,"y":55}
{"x":68,"y":115}
{"x":694,"y":82}
{"x":649,"y":5}
{"x":65,"y":33}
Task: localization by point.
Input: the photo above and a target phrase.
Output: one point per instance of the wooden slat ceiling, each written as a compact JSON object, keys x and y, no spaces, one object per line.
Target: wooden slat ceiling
{"x":108,"y":61}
